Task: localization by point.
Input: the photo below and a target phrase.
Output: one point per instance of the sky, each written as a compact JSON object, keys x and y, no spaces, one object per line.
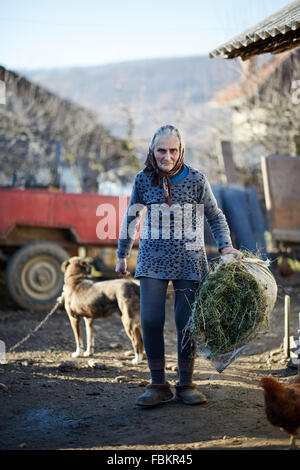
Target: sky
{"x":61,"y":33}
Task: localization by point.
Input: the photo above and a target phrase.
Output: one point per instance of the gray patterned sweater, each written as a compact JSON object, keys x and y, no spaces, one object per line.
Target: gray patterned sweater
{"x":171,"y":243}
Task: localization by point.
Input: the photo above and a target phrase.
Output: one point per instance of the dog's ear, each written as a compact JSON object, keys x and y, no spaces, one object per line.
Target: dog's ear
{"x":64,"y":265}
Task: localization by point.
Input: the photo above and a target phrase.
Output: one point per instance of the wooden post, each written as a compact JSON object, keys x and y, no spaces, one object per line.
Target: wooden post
{"x":286,"y":343}
{"x":267,"y":190}
{"x":228,"y":162}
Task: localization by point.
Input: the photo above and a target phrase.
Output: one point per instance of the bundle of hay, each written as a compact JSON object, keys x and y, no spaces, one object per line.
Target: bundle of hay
{"x":231,"y":307}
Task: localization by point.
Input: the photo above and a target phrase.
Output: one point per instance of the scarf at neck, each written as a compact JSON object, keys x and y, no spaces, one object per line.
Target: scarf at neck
{"x":151,"y":169}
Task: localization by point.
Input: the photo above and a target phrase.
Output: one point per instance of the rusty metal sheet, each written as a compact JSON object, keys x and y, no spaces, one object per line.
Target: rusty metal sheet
{"x":281,"y":175}
{"x":78,"y":213}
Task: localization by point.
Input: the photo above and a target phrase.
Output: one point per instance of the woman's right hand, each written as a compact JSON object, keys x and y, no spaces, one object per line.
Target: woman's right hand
{"x":121,"y":268}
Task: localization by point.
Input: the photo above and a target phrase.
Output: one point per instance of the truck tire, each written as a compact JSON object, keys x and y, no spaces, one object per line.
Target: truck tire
{"x":33,"y":275}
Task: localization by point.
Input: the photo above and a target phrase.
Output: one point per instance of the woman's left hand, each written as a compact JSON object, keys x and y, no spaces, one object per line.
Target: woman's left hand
{"x":229,"y":249}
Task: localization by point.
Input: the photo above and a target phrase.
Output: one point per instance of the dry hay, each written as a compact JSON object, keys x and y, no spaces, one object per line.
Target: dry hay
{"x":229,"y":310}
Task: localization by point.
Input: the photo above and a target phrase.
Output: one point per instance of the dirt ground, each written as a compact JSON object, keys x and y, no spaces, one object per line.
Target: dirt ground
{"x":47,"y":404}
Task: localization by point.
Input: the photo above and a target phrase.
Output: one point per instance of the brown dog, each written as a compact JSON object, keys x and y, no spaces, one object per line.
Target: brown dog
{"x":86,"y":298}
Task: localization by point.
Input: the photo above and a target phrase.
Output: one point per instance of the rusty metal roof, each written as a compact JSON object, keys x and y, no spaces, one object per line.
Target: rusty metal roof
{"x":277,"y":33}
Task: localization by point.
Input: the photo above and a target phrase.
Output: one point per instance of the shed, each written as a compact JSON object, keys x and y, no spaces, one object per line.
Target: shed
{"x":276,"y":33}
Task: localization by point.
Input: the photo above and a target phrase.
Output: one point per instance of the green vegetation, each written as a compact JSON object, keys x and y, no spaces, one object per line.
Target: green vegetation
{"x":229,"y":309}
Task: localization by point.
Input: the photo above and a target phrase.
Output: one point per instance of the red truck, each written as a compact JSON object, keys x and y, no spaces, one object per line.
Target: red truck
{"x":39,"y":229}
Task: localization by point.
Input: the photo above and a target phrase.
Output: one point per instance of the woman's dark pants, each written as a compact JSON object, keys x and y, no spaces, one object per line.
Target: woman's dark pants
{"x":153,"y":300}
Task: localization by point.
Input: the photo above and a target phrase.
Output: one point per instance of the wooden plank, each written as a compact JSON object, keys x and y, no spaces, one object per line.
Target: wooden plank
{"x":229,"y":167}
{"x":266,"y":187}
{"x":282,"y":190}
{"x":286,"y":342}
{"x":286,"y":235}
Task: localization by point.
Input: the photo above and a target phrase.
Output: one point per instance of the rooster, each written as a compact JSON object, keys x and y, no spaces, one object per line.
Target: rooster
{"x":282,"y":405}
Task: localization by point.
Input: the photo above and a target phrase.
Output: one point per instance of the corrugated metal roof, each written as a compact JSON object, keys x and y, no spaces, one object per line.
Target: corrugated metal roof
{"x":277,"y":33}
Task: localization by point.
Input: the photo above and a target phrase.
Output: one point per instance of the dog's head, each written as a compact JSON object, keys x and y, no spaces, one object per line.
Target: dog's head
{"x":76,"y":266}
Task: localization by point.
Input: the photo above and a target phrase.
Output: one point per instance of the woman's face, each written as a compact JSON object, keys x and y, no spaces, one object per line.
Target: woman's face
{"x":166,"y":152}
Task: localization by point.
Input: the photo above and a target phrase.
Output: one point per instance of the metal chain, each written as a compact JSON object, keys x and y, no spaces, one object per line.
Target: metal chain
{"x":58,"y":303}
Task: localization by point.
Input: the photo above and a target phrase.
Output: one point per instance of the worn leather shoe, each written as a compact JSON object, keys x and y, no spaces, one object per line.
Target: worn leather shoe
{"x":189,"y":394}
{"x":155,"y":394}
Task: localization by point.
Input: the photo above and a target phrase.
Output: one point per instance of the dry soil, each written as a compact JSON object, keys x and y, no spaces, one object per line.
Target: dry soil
{"x":48,"y":403}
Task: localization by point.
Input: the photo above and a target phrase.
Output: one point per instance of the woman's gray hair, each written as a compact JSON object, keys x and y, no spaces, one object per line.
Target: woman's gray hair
{"x":164,"y":130}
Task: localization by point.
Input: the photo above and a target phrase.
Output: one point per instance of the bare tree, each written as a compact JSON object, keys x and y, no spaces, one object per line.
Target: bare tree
{"x":269,"y":114}
{"x":34,"y":120}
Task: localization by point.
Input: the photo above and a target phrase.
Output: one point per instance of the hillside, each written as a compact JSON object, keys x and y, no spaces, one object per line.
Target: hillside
{"x":199,"y":77}
{"x":132,"y":99}
{"x":39,"y":130}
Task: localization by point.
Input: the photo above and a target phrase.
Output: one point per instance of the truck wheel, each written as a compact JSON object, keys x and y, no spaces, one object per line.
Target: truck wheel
{"x":33,"y":275}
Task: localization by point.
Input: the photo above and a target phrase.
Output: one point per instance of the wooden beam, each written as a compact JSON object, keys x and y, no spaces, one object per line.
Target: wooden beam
{"x":229,"y":167}
{"x":286,"y":343}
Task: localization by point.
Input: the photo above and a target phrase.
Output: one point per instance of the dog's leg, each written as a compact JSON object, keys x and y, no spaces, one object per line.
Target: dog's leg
{"x":139,"y":354}
{"x":76,"y":327}
{"x":133,"y":329}
{"x":89,"y":329}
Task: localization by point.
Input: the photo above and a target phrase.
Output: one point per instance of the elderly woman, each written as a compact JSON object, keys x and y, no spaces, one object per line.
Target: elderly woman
{"x":171,"y":248}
